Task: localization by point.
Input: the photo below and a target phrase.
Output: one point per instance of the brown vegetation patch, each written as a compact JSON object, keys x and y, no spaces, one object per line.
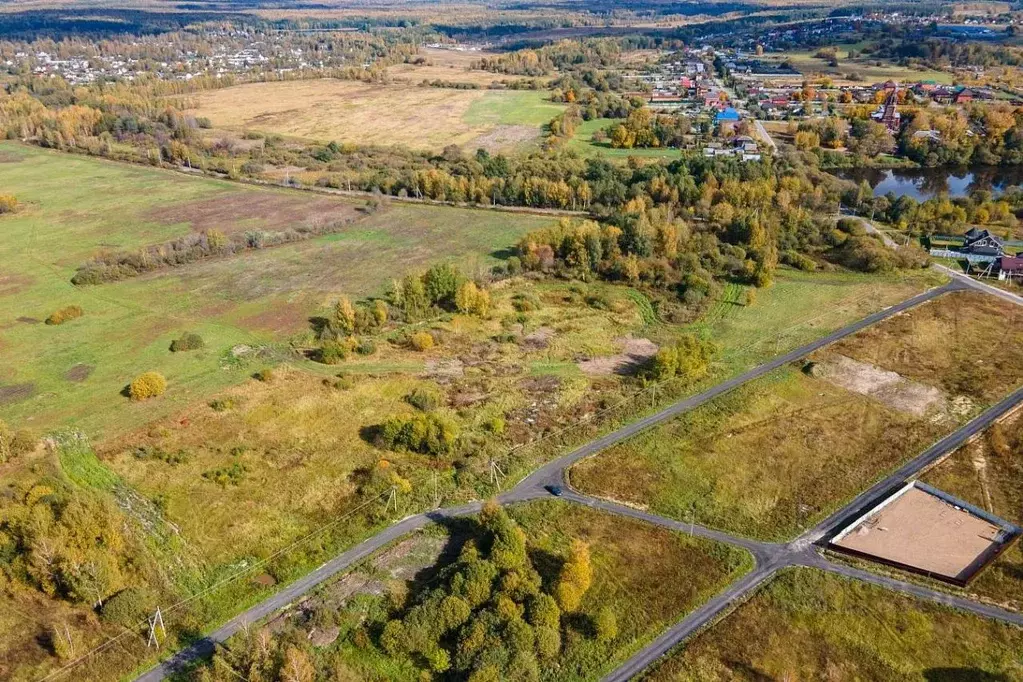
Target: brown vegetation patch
{"x":14,"y":393}
{"x":505,"y":136}
{"x":635,"y":353}
{"x":539,"y":339}
{"x":11,"y":283}
{"x":280,"y":317}
{"x":79,"y":373}
{"x":29,"y":320}
{"x":890,"y":388}
{"x":240,"y":211}
{"x":7,"y":156}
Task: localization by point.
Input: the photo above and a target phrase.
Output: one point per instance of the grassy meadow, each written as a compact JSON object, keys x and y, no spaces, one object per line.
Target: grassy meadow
{"x":808,"y":625}
{"x":74,"y":208}
{"x":808,"y":438}
{"x":425,"y":118}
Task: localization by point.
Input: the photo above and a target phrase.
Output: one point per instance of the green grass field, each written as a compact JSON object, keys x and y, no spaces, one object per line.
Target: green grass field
{"x":75,"y":207}
{"x":513,"y":107}
{"x":807,"y":625}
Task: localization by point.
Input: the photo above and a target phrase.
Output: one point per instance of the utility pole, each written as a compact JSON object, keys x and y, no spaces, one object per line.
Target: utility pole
{"x":156,"y":620}
{"x":495,"y":474}
{"x":392,"y":499}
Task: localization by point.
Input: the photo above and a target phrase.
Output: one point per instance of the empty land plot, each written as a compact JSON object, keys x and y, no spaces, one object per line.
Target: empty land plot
{"x":75,"y":207}
{"x":647,"y":577}
{"x":965,"y":343}
{"x":349,"y":111}
{"x":782,"y":451}
{"x":797,"y":309}
{"x":988,"y":472}
{"x":807,"y":625}
{"x":765,"y":460}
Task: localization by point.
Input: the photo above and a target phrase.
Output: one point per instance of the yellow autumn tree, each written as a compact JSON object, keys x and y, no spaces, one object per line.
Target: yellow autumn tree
{"x":576,"y":576}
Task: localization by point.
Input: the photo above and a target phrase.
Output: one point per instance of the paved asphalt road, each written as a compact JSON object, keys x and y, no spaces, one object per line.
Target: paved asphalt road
{"x":980,"y":286}
{"x":769,"y":557}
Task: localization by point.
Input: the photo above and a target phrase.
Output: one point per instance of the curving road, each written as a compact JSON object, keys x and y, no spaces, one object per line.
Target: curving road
{"x":769,"y":557}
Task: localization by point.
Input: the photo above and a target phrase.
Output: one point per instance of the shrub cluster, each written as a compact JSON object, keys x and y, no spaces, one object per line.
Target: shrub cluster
{"x":471,"y":300}
{"x":71,"y":312}
{"x":688,"y":358}
{"x":147,"y":385}
{"x":14,"y":444}
{"x":187,"y":341}
{"x":424,"y":399}
{"x":490,"y":617}
{"x":8,"y":203}
{"x":421,"y":341}
{"x":429,"y":434}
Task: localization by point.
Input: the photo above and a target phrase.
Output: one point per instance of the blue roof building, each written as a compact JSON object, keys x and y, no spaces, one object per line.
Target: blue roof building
{"x":728,"y":114}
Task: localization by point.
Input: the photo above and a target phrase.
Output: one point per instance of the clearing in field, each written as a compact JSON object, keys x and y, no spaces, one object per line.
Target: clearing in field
{"x":452,"y":66}
{"x":645,"y":577}
{"x":75,"y":207}
{"x":425,"y":118}
{"x":988,"y":473}
{"x":806,"y":441}
{"x":922,"y":529}
{"x":807,"y":625}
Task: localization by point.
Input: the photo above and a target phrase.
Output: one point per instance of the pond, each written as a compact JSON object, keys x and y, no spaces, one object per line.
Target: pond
{"x":926,"y":183}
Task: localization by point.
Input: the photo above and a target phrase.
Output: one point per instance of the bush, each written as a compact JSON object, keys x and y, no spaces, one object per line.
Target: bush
{"x":265,"y":375}
{"x":798,"y":261}
{"x":689,"y":358}
{"x":14,"y":444}
{"x":333,"y":352}
{"x":421,"y":341}
{"x":428,"y":434}
{"x":71,"y":312}
{"x":424,"y":399}
{"x":222,"y":404}
{"x":188,"y":341}
{"x":129,"y":607}
{"x":366,"y":347}
{"x":147,"y":385}
{"x":8,"y":204}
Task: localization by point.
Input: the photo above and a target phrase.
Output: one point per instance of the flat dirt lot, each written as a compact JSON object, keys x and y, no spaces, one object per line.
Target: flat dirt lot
{"x":921,"y":530}
{"x":349,"y":111}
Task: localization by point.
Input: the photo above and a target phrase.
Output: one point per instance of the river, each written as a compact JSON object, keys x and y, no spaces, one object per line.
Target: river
{"x":926,"y":183}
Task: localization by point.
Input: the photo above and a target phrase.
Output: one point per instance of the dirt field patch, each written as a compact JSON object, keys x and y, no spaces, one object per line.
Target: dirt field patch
{"x":13,"y":393}
{"x":888,"y":387}
{"x":13,"y":284}
{"x":503,"y":137}
{"x":965,"y":343}
{"x":79,"y":373}
{"x":239,"y":212}
{"x":29,"y":320}
{"x":635,"y":353}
